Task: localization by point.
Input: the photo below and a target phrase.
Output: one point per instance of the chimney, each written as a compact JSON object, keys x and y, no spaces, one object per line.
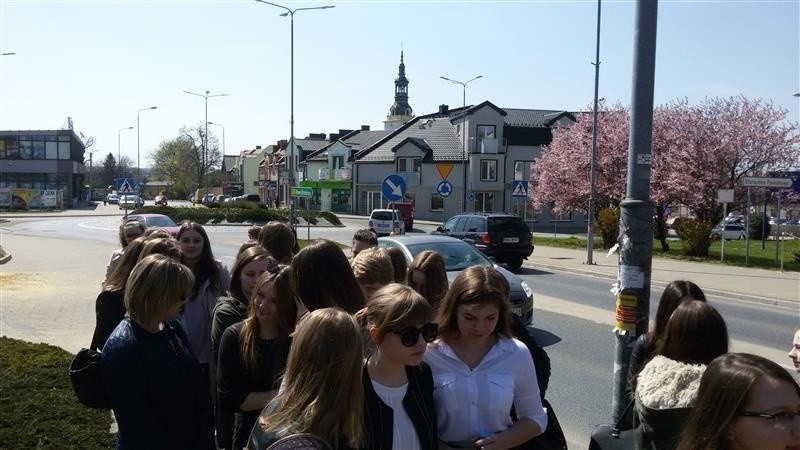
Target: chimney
{"x":444,"y":110}
{"x":364,"y":127}
{"x":258,"y":147}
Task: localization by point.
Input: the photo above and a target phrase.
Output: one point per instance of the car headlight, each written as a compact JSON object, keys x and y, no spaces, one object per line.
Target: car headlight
{"x":526,"y":289}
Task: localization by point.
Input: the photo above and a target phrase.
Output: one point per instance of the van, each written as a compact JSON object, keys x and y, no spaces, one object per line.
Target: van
{"x":386,"y":222}
{"x":406,"y":212}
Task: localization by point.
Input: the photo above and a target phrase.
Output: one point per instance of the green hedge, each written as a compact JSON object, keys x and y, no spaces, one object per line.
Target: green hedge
{"x":235,"y":212}
{"x":39,"y":407}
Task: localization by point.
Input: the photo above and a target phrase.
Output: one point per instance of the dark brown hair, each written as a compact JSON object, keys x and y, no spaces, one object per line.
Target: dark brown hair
{"x":323,"y":278}
{"x":279,"y":240}
{"x":206,"y":267}
{"x":399,"y":264}
{"x":695,"y":334}
{"x":722,"y":394}
{"x":674,"y":294}
{"x":254,"y":253}
{"x":476,"y":285}
{"x":431,"y":264}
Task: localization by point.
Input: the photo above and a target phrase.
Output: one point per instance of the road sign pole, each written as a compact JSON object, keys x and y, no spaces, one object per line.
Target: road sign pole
{"x":724,"y":225}
{"x":747,"y":231}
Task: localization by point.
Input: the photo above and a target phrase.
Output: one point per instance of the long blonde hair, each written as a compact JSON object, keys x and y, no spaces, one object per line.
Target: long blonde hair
{"x":322,"y":391}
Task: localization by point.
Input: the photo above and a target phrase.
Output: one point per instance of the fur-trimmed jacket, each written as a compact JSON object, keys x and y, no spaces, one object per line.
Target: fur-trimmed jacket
{"x":665,"y":394}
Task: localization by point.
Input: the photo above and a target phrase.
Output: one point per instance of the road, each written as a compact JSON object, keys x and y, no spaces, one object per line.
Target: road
{"x":49,"y":287}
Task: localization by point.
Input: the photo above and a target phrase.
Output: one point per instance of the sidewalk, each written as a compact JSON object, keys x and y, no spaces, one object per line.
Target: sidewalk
{"x":757,"y":285}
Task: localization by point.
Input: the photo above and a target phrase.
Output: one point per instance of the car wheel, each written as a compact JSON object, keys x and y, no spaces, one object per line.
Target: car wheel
{"x":515,"y":264}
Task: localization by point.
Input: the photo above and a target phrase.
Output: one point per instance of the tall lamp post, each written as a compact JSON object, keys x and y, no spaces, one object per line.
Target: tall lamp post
{"x":464,"y":137}
{"x":592,"y":182}
{"x":223,"y":135}
{"x":290,"y":161}
{"x":138,"y":154}
{"x":206,"y":96}
{"x":119,"y":143}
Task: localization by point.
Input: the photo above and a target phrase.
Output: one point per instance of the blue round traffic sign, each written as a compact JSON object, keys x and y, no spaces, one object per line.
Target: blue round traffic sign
{"x":444,"y":188}
{"x":393,"y":187}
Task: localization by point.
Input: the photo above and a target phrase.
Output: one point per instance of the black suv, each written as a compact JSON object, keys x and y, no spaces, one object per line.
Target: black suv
{"x":504,"y":237}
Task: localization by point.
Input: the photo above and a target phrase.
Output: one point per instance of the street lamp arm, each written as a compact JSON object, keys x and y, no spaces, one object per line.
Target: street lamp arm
{"x":193,"y":93}
{"x":279,"y":6}
{"x":314,"y":7}
{"x":217,"y":95}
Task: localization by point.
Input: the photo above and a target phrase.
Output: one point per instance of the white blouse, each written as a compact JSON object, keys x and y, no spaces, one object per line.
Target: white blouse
{"x":404,"y":435}
{"x":477,"y":402}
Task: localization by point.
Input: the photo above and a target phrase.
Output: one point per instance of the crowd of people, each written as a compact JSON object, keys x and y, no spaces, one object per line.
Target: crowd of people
{"x":375,"y":352}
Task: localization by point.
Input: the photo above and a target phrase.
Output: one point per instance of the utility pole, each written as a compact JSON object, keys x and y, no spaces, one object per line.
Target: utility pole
{"x":592,"y":175}
{"x":636,"y":210}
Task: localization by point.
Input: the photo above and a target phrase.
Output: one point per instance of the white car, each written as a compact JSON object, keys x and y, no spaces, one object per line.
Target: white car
{"x":130,"y":201}
{"x":386,"y":222}
{"x":732,"y":231}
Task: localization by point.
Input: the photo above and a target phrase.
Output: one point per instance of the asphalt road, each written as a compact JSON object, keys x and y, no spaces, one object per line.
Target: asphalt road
{"x":48,"y":293}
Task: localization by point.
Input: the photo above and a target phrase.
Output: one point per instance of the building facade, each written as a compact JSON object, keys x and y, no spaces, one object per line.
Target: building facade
{"x":44,"y":160}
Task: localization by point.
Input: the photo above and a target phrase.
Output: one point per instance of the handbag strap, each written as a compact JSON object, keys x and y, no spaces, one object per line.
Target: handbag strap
{"x":618,"y":425}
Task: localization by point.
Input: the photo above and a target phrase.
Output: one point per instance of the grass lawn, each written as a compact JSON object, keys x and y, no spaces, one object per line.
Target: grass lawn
{"x":734,"y":251}
{"x":38,"y":408}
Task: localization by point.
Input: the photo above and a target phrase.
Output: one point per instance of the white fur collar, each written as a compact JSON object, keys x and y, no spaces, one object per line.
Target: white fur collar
{"x":664,"y":383}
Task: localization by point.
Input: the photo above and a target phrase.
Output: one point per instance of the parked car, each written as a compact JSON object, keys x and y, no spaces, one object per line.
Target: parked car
{"x":130,"y":201}
{"x":156,"y":221}
{"x":386,"y":221}
{"x":221,"y":198}
{"x":255,"y":198}
{"x":732,"y":231}
{"x":458,"y":255}
{"x":112,"y":199}
{"x":161,"y":200}
{"x":504,"y":237}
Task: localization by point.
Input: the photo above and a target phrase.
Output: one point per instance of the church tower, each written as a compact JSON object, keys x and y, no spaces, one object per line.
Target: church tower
{"x":400,"y":112}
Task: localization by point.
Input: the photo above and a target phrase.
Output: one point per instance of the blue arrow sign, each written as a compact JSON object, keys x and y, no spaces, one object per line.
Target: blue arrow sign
{"x":393,"y":187}
{"x":444,"y":188}
{"x":125,"y":185}
{"x":519,"y":188}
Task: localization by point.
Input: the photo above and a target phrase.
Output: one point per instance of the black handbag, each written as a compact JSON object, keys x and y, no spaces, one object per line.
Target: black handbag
{"x":86,"y":375}
{"x":614,"y":436}
{"x":553,"y":436}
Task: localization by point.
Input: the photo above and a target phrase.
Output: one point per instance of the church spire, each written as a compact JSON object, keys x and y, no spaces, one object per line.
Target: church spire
{"x":401,"y":111}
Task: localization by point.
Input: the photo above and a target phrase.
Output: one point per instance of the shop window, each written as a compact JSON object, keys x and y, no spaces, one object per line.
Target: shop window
{"x":437,"y":202}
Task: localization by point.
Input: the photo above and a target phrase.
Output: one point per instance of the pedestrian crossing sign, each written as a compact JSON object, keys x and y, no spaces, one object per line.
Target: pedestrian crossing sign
{"x":125,"y":185}
{"x":519,"y":188}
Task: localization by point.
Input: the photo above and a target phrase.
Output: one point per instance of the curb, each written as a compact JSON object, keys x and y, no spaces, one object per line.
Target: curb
{"x":5,"y":259}
{"x":733,"y":295}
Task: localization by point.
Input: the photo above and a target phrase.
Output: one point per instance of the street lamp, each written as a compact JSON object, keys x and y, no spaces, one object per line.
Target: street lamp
{"x":206,"y":96}
{"x":290,"y":160}
{"x":464,"y":137}
{"x":119,"y":145}
{"x":7,"y":54}
{"x":223,"y":135}
{"x":592,"y":176}
{"x":138,"y":161}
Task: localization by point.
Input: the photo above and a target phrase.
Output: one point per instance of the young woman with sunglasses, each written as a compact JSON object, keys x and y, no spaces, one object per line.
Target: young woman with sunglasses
{"x":479,"y":370}
{"x":252,"y":354}
{"x":398,"y":386}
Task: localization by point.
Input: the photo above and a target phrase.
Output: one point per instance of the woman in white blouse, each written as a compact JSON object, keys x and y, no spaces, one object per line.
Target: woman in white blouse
{"x":479,"y":370}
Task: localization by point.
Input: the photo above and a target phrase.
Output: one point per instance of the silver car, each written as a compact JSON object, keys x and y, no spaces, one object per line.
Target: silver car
{"x":459,"y":255}
{"x":130,"y":201}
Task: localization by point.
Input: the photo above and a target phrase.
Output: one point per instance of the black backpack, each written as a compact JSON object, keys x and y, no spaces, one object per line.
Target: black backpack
{"x":86,"y":375}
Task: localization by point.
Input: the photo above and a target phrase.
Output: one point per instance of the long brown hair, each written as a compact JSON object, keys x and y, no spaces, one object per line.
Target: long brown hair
{"x":674,"y":294}
{"x":431,"y":264}
{"x":476,"y":285}
{"x":249,"y":342}
{"x":245,"y":257}
{"x":322,"y":391}
{"x":119,"y":277}
{"x":323,"y":278}
{"x":722,"y":394}
{"x":207,"y":268}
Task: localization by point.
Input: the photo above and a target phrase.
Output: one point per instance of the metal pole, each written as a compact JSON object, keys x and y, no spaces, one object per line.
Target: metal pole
{"x":290,"y":164}
{"x":464,"y":147}
{"x":205,"y":153}
{"x":778,"y":228}
{"x":747,"y":230}
{"x":138,"y":174}
{"x":590,"y":238}
{"x":636,"y":210}
{"x":724,"y":225}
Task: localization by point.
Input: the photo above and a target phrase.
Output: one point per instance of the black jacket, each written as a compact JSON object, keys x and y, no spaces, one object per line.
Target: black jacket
{"x":418,"y":403}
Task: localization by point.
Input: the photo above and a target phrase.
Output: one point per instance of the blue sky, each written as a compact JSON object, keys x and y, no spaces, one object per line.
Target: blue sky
{"x":100,"y":61}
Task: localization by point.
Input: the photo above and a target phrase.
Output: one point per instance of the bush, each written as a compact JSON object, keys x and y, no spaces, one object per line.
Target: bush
{"x":756,"y":223}
{"x":39,"y":407}
{"x":797,"y":257}
{"x":330,"y":217}
{"x":607,"y":224}
{"x":696,"y":235}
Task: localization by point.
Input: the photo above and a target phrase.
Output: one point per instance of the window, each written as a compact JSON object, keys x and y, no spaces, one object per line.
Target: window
{"x":488,"y":170}
{"x":487,"y":139}
{"x":409,"y":164}
{"x":25,"y":149}
{"x":51,"y":150}
{"x":437,"y":202}
{"x":338,"y":162}
{"x":63,"y":150}
{"x":522,"y":170}
{"x":484,"y":202}
{"x":486,"y":132}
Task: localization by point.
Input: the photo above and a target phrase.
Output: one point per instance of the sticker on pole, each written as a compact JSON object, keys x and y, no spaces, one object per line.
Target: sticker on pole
{"x":625,"y":314}
{"x":393,"y":187}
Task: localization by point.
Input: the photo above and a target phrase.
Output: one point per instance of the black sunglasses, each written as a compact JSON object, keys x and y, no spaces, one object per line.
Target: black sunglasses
{"x":409,"y":336}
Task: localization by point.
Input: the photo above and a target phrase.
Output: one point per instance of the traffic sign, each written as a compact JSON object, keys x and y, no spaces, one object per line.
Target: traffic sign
{"x":519,"y":188}
{"x":471,"y":195}
{"x":444,"y":170}
{"x":444,"y":189}
{"x":305,"y":192}
{"x":766,"y":182}
{"x":125,"y":185}
{"x":393,"y":187}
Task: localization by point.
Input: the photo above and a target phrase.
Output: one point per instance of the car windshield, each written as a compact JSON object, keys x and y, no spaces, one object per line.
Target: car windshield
{"x":160,"y":222}
{"x":456,"y":255}
{"x":382,"y":215}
